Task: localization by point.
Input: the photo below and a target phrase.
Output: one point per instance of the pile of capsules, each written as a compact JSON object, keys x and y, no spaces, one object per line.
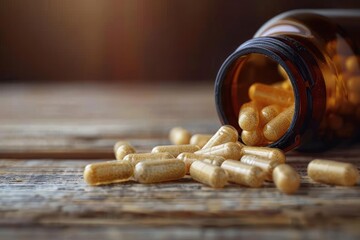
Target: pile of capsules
{"x":268,"y":115}
{"x":214,"y":161}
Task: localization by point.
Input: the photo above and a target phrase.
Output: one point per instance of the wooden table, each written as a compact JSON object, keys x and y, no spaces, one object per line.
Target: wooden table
{"x":48,"y":133}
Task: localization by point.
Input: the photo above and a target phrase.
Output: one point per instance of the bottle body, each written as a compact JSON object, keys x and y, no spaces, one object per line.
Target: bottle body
{"x":317,"y":52}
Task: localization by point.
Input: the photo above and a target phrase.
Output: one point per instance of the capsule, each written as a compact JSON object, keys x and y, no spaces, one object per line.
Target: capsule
{"x":208,"y":174}
{"x":121,"y":149}
{"x":249,"y":116}
{"x":135,"y":158}
{"x":286,"y":84}
{"x":225,"y":134}
{"x":332,"y":172}
{"x":265,"y":152}
{"x":268,"y":113}
{"x":107,"y":172}
{"x":200,"y":139}
{"x":252,"y":138}
{"x":215,"y":162}
{"x":282,"y":72}
{"x":286,"y":179}
{"x":229,"y":150}
{"x":159,"y":171}
{"x":270,"y":95}
{"x":189,"y":158}
{"x":277,"y":127}
{"x":352,"y":64}
{"x":175,"y":150}
{"x":244,"y":174}
{"x":179,"y":136}
{"x":265,"y":164}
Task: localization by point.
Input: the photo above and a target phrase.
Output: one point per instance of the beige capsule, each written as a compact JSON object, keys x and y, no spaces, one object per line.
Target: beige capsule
{"x":265,"y":152}
{"x":282,"y":72}
{"x":135,"y":158}
{"x":179,"y":136}
{"x":249,"y":116}
{"x":265,"y":164}
{"x":225,"y":134}
{"x":268,"y":113}
{"x":252,"y":138}
{"x":229,"y":150}
{"x":107,"y":172}
{"x":121,"y":149}
{"x":208,"y":174}
{"x":215,"y":162}
{"x":285,"y":84}
{"x":159,"y":171}
{"x":175,"y":150}
{"x":278,"y":126}
{"x":200,"y":139}
{"x":352,"y":64}
{"x":270,"y":95}
{"x":244,"y":174}
{"x":286,"y":179}
{"x":333,"y":172}
{"x":189,"y":158}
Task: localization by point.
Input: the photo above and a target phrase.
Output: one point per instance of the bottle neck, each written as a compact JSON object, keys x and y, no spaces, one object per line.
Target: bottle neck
{"x":306,"y":78}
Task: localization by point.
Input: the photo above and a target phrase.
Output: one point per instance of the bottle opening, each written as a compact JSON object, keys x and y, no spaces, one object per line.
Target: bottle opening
{"x":274,"y":76}
{"x":262,"y":99}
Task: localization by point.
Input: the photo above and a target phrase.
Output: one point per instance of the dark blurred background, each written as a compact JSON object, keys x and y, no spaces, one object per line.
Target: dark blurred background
{"x":129,"y":40}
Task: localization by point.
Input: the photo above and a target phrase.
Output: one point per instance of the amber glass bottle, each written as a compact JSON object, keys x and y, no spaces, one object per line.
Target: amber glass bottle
{"x":317,"y":52}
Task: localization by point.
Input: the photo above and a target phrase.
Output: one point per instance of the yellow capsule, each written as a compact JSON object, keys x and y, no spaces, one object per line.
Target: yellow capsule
{"x":208,"y":174}
{"x":265,"y":152}
{"x":189,"y":158}
{"x":286,"y":84}
{"x":225,"y":134}
{"x":215,"y":162}
{"x":270,"y":95}
{"x":249,"y":116}
{"x":282,"y":72}
{"x":335,"y":122}
{"x":252,"y":138}
{"x":121,"y":149}
{"x":333,"y":172}
{"x":107,"y":172}
{"x":179,"y":136}
{"x":352,"y":64}
{"x":268,"y":113}
{"x":159,"y":170}
{"x":265,"y":164}
{"x":175,"y":150}
{"x":339,"y":61}
{"x":286,"y":179}
{"x":135,"y":158}
{"x":332,"y":48}
{"x":229,"y":150}
{"x":277,"y":127}
{"x":200,"y":139}
{"x":244,"y":174}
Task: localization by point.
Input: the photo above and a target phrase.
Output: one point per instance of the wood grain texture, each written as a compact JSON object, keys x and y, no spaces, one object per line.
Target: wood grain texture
{"x":47,"y":197}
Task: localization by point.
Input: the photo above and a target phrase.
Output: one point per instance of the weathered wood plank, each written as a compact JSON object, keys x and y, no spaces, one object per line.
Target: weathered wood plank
{"x":48,"y":198}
